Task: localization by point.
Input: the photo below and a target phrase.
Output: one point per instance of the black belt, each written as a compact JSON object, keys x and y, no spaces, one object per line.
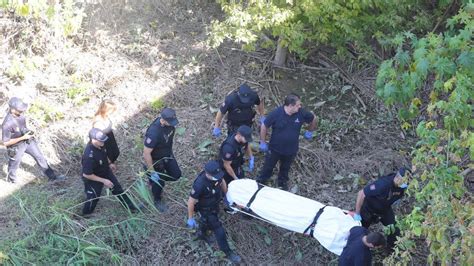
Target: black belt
{"x":315,"y":221}
{"x":247,"y":207}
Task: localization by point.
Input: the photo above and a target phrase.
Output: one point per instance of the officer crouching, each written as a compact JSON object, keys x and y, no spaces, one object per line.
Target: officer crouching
{"x":205,"y":197}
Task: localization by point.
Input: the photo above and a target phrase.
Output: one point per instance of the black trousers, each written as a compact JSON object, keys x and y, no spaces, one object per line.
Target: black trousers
{"x":169,"y":170}
{"x":237,"y":170}
{"x":93,"y":189}
{"x":271,"y":159}
{"x":210,"y":221}
{"x":31,"y":148}
{"x":387,"y":217}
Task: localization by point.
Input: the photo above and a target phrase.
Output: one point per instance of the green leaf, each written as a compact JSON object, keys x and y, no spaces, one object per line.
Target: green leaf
{"x":203,"y":145}
{"x":268,"y":240}
{"x":180,"y":131}
{"x":262,"y":229}
{"x":299,"y":255}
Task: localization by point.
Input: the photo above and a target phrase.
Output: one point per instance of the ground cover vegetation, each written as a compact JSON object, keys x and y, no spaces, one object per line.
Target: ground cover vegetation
{"x":391,"y":83}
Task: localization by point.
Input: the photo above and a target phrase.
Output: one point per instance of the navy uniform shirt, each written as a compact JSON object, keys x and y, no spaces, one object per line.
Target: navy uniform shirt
{"x":207,"y":192}
{"x":286,"y":129}
{"x":233,"y":151}
{"x":94,"y":161}
{"x":239,"y":113}
{"x":382,"y":193}
{"x":159,"y":138}
{"x":356,"y":253}
{"x":13,"y":127}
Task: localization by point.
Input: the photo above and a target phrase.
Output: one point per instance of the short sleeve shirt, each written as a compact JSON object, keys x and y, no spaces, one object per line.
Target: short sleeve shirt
{"x":12,"y":127}
{"x":232,"y":101}
{"x":206,"y":191}
{"x":382,"y":193}
{"x":94,"y":161}
{"x":229,"y":153}
{"x":356,"y":253}
{"x":159,"y":138}
{"x":286,"y":129}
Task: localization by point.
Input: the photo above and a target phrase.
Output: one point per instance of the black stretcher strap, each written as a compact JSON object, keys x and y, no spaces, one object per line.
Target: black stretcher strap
{"x":315,"y":221}
{"x":260,"y":186}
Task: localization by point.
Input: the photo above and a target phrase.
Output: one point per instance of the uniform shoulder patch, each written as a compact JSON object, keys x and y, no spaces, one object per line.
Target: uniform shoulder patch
{"x":228,"y":155}
{"x":193,"y":191}
{"x":148,"y":140}
{"x":91,"y":154}
{"x":372,"y":187}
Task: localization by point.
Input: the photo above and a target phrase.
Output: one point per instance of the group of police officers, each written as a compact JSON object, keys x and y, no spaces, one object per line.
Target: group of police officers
{"x":210,"y":186}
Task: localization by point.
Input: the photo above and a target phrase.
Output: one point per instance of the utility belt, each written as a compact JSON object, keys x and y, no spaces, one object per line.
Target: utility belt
{"x":207,"y":209}
{"x":12,"y":149}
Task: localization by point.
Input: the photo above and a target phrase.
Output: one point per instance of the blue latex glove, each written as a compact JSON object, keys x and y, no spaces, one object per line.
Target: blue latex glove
{"x":262,"y":119}
{"x":357,"y":217}
{"x":155,"y":177}
{"x":216,"y":132}
{"x":404,"y":185}
{"x":395,"y":203}
{"x":308,"y":135}
{"x":263,"y":146}
{"x":251,"y":163}
{"x":191,"y":223}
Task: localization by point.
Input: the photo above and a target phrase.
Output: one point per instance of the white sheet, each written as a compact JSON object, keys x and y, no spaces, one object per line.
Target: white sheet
{"x":294,"y":212}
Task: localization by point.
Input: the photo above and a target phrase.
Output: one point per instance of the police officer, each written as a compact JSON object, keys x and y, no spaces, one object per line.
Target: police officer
{"x":240,"y":108}
{"x":357,"y":250}
{"x":286,"y":122}
{"x":158,"y":154}
{"x":232,"y":153}
{"x":375,"y":201}
{"x":20,"y":140}
{"x":204,"y":198}
{"x":96,"y":173}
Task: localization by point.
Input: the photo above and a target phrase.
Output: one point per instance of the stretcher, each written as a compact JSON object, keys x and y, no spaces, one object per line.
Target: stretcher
{"x":329,"y":225}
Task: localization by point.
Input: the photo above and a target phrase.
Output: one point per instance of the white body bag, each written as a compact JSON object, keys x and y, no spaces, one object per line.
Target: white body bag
{"x":329,"y":225}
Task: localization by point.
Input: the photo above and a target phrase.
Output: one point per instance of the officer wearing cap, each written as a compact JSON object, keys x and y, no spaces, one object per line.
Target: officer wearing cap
{"x":20,"y":140}
{"x":286,"y":122}
{"x":158,"y":154}
{"x":357,"y":251}
{"x":239,"y":106}
{"x":232,"y":153}
{"x":96,"y":173}
{"x":204,"y":198}
{"x":375,"y":201}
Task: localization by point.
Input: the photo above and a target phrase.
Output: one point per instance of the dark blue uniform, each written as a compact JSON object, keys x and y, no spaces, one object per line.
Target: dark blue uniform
{"x":356,"y":253}
{"x":160,"y":138}
{"x":379,"y":197}
{"x":284,"y":142}
{"x":239,"y":113}
{"x":15,"y":127}
{"x":209,"y":193}
{"x":232,"y":151}
{"x":94,"y":161}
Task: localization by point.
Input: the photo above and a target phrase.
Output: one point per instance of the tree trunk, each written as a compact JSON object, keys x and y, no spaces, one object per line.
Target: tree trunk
{"x":280,"y":54}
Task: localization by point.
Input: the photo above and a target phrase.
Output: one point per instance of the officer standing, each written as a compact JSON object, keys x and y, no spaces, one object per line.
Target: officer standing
{"x":240,"y":108}
{"x":158,"y":154}
{"x":357,"y":250}
{"x":20,"y":140}
{"x":96,"y":173}
{"x":375,"y":201}
{"x":286,"y":122}
{"x":204,"y":198}
{"x":232,"y":153}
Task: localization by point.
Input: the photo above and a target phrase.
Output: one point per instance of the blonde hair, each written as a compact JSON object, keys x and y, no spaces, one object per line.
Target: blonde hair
{"x":105,"y":108}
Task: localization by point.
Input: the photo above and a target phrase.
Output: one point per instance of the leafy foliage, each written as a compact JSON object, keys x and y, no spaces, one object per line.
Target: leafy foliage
{"x":435,"y":73}
{"x":301,"y":24}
